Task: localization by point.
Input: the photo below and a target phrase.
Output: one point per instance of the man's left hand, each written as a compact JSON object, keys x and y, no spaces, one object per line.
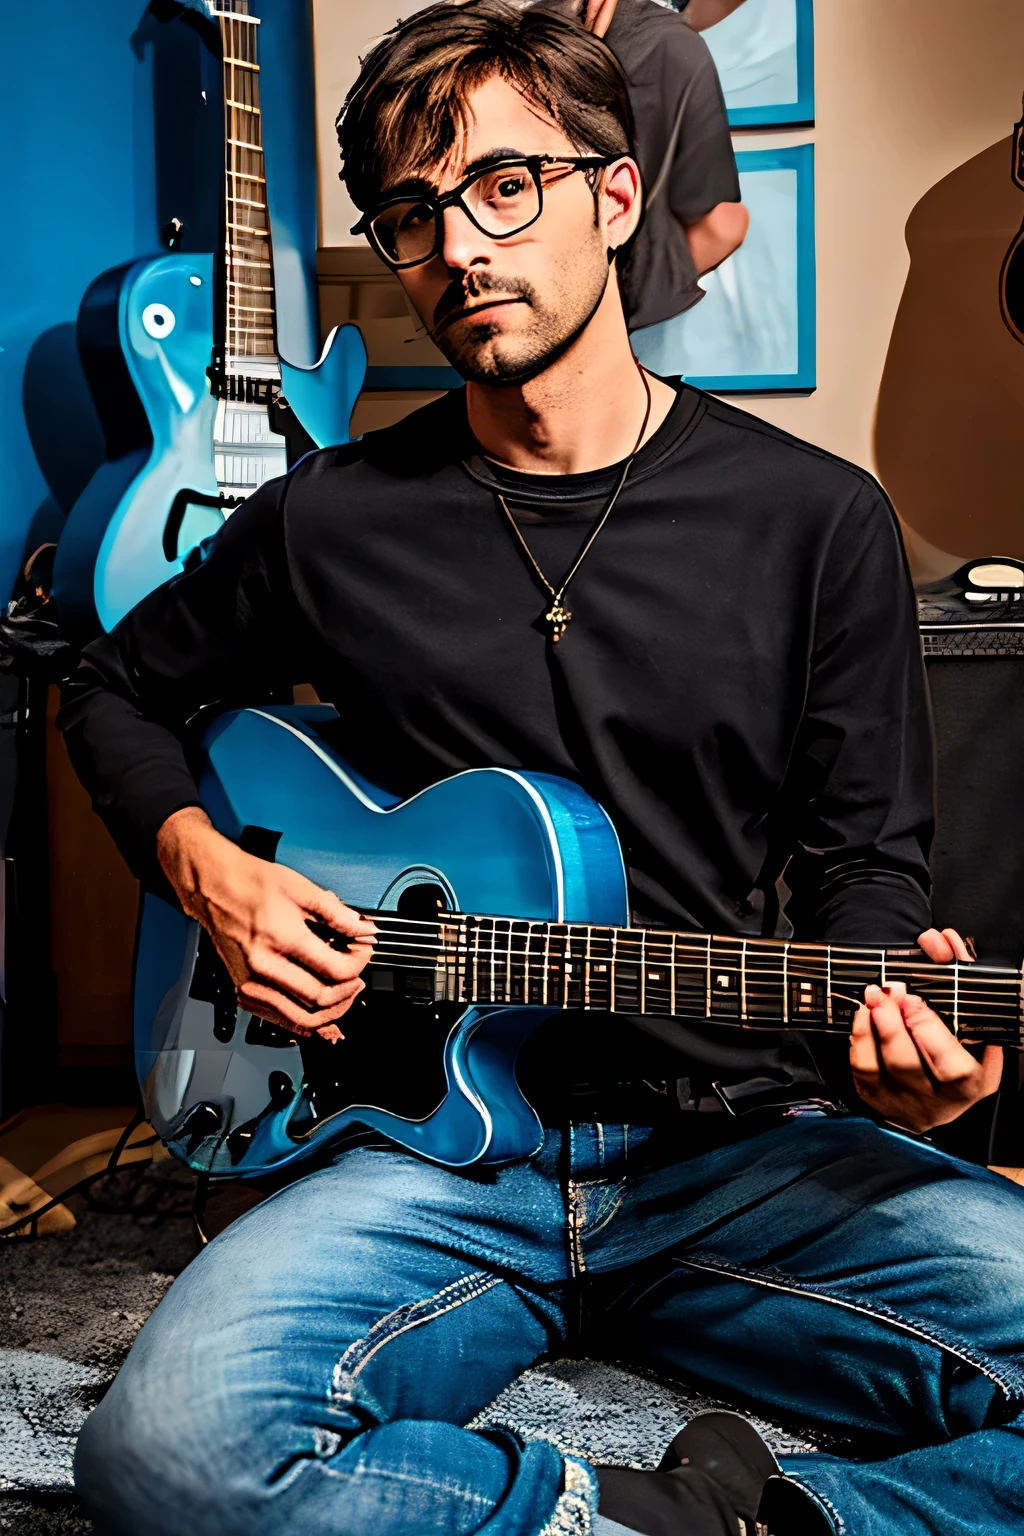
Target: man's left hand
{"x":907,"y":1066}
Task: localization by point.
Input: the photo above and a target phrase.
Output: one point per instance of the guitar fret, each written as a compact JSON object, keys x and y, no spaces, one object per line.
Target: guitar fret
{"x":547,"y":961}
{"x":743,"y":979}
{"x":600,"y":970}
{"x":474,"y":932}
{"x":726,"y":971}
{"x":657,"y":974}
{"x":689,"y":988}
{"x":828,"y":987}
{"x":956,"y":999}
{"x":586,"y":968}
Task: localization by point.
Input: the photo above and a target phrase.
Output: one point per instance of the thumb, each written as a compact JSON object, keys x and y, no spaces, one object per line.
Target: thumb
{"x":991,"y":1069}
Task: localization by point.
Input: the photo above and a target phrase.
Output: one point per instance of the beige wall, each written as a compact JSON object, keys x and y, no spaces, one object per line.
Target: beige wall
{"x":907,"y":92}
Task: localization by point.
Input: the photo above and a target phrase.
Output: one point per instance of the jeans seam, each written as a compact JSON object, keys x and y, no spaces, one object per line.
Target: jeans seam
{"x":1012,"y":1392}
{"x":411,"y":1315}
{"x":467,"y":1495}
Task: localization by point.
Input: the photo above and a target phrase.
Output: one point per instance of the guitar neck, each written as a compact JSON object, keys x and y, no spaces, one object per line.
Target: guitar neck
{"x":754,"y":983}
{"x":250,"y":346}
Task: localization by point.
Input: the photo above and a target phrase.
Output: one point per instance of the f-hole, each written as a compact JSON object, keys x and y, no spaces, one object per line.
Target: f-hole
{"x":422,"y":901}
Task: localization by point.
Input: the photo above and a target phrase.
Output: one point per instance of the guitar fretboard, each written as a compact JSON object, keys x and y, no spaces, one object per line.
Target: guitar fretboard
{"x":245,"y":372}
{"x":756,"y":983}
{"x":249,"y":270}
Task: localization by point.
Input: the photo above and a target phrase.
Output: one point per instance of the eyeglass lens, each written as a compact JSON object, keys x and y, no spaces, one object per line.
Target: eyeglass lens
{"x":502,"y":201}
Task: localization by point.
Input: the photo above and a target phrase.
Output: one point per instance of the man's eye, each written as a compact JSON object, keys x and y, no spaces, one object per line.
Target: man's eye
{"x":415,"y":216}
{"x":502,"y":187}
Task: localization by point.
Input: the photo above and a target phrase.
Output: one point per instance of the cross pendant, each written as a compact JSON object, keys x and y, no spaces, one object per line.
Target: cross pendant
{"x":558,"y":617}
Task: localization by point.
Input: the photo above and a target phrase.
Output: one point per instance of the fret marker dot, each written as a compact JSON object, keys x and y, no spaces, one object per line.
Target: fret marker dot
{"x":723,"y":982}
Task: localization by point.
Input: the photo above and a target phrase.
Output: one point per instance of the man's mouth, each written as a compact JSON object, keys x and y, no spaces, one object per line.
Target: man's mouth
{"x":469,"y":310}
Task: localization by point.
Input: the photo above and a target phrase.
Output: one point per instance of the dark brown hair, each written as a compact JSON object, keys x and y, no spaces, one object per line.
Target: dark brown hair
{"x":408,"y":106}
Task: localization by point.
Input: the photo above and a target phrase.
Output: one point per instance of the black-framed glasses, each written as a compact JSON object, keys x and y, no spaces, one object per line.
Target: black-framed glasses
{"x":1011,"y":277}
{"x":501,"y":198}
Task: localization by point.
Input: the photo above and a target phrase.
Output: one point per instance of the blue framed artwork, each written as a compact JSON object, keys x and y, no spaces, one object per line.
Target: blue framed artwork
{"x":764,"y":54}
{"x":755,"y":329}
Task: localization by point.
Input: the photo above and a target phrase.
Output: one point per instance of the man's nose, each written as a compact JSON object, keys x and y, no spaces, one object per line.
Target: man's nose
{"x":462,"y":244}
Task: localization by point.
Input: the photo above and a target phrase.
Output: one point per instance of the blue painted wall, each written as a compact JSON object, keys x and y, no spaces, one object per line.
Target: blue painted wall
{"x":108,"y":136}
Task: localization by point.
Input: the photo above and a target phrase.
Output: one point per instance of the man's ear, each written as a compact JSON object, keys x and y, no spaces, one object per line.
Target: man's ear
{"x":621,"y":201}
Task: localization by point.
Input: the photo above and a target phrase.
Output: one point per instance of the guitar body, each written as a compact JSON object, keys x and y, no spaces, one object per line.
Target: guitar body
{"x":145,"y":335}
{"x":237,"y":1097}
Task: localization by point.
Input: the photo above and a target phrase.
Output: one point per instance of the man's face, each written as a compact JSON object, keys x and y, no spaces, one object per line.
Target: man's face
{"x":503,"y":310}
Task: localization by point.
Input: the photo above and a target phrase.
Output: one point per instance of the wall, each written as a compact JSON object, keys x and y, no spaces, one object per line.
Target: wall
{"x":908,"y":91}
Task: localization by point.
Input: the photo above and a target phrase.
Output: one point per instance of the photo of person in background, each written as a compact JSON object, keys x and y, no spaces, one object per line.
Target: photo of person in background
{"x":693,"y":217}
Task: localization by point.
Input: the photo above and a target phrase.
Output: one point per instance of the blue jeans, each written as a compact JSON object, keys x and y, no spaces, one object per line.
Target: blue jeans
{"x":311,"y":1370}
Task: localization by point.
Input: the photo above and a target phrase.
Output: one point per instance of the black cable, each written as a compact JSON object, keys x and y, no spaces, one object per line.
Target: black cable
{"x":32,"y":1219}
{"x":199,"y":1207}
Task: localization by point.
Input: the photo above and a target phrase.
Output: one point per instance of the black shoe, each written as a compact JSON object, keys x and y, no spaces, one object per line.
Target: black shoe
{"x":709,"y":1482}
{"x":786,"y":1510}
{"x":729,"y":1449}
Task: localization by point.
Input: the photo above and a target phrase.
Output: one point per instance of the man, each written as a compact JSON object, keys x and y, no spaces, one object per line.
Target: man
{"x":695,"y":218}
{"x":733,"y":671}
{"x":702,"y":14}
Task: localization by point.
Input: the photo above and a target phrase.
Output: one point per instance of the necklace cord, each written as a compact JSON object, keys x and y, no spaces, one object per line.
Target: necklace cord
{"x":558,"y":617}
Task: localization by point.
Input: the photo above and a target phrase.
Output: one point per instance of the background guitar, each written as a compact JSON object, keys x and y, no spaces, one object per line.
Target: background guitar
{"x":181,"y":354}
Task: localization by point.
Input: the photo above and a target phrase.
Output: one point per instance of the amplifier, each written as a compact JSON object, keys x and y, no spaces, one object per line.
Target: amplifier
{"x":972,"y":632}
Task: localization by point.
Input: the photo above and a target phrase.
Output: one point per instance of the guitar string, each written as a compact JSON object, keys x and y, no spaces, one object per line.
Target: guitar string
{"x":629,"y":946}
{"x":416,"y":934}
{"x":630,"y":952}
{"x":579,"y":932}
{"x":1004,"y":1027}
{"x":430,"y":958}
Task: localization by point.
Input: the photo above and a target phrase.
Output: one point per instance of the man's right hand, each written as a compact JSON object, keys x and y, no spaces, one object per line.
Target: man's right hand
{"x":257,"y":915}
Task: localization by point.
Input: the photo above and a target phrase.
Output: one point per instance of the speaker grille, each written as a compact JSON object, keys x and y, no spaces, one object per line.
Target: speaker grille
{"x":973,"y":639}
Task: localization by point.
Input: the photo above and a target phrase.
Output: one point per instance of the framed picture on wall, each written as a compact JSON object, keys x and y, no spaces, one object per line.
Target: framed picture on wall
{"x":755,"y":330}
{"x":764,"y":54}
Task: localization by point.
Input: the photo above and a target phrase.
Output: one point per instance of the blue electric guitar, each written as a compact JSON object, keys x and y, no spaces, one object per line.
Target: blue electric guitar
{"x":500,"y":898}
{"x":181,"y":357}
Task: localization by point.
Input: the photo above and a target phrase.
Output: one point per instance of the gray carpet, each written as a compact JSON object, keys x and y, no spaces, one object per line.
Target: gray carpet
{"x":70,"y":1306}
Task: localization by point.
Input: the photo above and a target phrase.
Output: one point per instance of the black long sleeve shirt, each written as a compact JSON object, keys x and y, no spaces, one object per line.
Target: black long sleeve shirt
{"x":740,"y":686}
